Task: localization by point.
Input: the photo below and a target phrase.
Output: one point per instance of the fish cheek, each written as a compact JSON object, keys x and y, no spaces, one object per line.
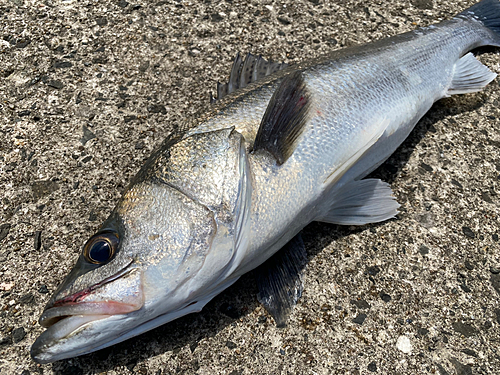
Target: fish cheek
{"x":168,"y":233}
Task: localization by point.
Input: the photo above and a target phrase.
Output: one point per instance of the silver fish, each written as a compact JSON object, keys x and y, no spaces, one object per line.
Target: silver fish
{"x":268,"y":158}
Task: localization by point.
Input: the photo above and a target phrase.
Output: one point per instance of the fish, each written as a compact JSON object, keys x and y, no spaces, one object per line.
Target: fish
{"x":280,"y":147}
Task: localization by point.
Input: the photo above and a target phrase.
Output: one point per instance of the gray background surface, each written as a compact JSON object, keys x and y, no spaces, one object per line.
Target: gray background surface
{"x":89,"y":88}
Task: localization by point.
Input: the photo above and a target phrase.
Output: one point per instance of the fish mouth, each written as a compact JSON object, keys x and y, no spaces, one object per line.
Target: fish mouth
{"x":68,"y":318}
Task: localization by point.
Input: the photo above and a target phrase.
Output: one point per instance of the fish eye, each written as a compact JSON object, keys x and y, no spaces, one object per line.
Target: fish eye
{"x":101,"y":247}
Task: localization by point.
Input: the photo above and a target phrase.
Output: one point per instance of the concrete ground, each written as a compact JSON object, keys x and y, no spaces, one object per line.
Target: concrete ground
{"x":89,"y":88}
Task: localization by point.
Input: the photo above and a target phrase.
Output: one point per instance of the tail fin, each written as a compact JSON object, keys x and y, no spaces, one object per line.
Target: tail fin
{"x":486,"y":11}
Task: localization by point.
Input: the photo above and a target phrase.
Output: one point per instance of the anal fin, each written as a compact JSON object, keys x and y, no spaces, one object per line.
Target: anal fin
{"x":469,"y":76}
{"x":360,"y":202}
{"x":280,"y":280}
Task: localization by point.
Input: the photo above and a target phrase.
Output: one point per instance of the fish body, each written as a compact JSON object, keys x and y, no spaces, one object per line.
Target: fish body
{"x":266,"y":160}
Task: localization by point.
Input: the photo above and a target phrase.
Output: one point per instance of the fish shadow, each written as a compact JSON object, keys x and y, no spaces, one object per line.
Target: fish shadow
{"x":240,"y":299}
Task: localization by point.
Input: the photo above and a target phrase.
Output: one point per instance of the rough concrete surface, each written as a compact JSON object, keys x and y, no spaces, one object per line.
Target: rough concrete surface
{"x":89,"y":88}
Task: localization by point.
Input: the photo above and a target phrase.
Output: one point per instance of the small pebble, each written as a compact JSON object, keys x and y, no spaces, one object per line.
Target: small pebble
{"x":359,"y":319}
{"x":38,"y":240}
{"x":404,"y":344}
{"x":18,"y":334}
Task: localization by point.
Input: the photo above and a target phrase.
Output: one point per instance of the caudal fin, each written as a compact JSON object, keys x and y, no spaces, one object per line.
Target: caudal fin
{"x":486,"y":11}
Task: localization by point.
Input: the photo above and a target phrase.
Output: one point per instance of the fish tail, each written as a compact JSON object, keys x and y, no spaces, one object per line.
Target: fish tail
{"x":488,"y":13}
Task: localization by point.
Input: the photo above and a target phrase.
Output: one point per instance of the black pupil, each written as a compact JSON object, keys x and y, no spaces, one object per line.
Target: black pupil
{"x":100,"y":251}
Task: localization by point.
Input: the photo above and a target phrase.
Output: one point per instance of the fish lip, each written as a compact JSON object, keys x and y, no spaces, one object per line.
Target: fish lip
{"x":61,"y":330}
{"x":53,"y":315}
{"x":75,"y":304}
{"x":69,"y":318}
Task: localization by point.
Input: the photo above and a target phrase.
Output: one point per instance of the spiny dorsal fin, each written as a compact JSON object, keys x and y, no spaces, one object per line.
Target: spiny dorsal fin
{"x":244,"y":72}
{"x":285,"y":117}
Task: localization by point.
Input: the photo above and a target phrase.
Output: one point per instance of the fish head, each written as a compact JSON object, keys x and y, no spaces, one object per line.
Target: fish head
{"x":165,"y":251}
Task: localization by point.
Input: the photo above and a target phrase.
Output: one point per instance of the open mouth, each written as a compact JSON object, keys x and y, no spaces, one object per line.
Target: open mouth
{"x":67,"y":316}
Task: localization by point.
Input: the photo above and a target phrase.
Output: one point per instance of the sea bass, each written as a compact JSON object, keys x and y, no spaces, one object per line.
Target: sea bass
{"x":280,"y":147}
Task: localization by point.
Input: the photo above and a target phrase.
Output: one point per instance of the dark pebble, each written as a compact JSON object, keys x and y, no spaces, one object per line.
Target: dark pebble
{"x":468,"y":232}
{"x":37,"y":244}
{"x":26,"y":112}
{"x":441,"y":370}
{"x":43,"y":289}
{"x":92,"y":216}
{"x":129,"y":118}
{"x":359,"y":319}
{"x":229,"y":311}
{"x":139,"y":145}
{"x":460,"y":368}
{"x":465,"y":329}
{"x":456,"y":183}
{"x":495,"y":282}
{"x":43,"y":188}
{"x":494,"y":237}
{"x":216,"y":17}
{"x":26,"y":372}
{"x":87,"y":135}
{"x":10,"y":167}
{"x":21,"y":43}
{"x":284,"y":21}
{"x":424,"y":250}
{"x":487,"y":325}
{"x":497,"y":313}
{"x":422,"y":4}
{"x":18,"y":334}
{"x":372,"y":367}
{"x":230,"y":344}
{"x":262,"y":319}
{"x":157,"y":108}
{"x":465,"y":288}
{"x":87,"y":159}
{"x":486,"y":197}
{"x":122,"y":3}
{"x":27,"y":299}
{"x":373,"y":270}
{"x":281,"y":33}
{"x":4,"y":231}
{"x":99,"y":60}
{"x":55,"y":84}
{"x":468,"y":265}
{"x":469,"y":352}
{"x":144,"y":66}
{"x":493,"y":270}
{"x":101,"y":21}
{"x":426,"y":167}
{"x":62,"y":64}
{"x":385,"y":297}
{"x":360,"y":304}
{"x":423,"y":331}
{"x":5,"y":340}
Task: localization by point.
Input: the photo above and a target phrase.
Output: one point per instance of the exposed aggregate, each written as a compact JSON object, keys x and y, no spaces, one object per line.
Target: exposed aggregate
{"x":89,"y":88}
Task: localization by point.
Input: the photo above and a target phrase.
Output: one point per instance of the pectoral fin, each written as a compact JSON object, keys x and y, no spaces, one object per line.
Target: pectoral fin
{"x":360,"y":202}
{"x":280,"y":280}
{"x":285,"y":118}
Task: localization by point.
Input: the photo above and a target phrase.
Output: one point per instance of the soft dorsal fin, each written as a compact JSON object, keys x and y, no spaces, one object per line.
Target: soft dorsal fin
{"x":285,"y":117}
{"x":244,"y":72}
